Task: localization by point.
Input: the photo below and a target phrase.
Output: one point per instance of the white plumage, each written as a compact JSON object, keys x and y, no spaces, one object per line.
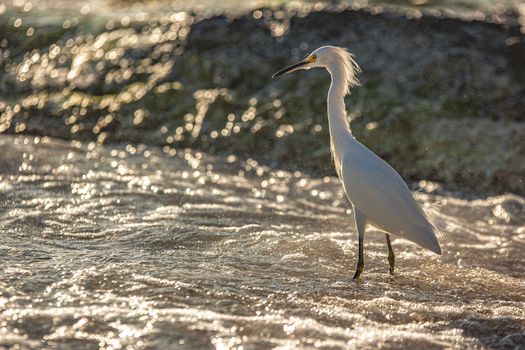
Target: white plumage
{"x":377,"y":192}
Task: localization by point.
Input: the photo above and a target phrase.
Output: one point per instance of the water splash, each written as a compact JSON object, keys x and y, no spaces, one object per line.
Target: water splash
{"x":134,"y":247}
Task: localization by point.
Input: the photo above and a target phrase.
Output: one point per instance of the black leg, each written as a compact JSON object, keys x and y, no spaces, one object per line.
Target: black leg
{"x":391,"y":256}
{"x":361,"y":260}
{"x":360,"y":223}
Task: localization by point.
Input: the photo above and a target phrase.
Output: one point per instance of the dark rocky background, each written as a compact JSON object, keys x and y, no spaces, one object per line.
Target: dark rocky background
{"x":442,"y":98}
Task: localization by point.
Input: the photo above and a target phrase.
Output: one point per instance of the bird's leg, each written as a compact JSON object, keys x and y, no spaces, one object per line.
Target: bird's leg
{"x":360,"y":224}
{"x":360,"y":261}
{"x":391,"y":256}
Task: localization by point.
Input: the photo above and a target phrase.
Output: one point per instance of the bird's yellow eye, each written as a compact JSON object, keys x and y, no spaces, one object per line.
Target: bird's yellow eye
{"x":313,"y":58}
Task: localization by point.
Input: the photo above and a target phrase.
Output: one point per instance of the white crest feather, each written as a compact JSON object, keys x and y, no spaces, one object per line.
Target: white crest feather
{"x":350,"y":68}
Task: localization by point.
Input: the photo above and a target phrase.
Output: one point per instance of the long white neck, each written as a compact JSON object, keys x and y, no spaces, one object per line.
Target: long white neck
{"x":339,"y":128}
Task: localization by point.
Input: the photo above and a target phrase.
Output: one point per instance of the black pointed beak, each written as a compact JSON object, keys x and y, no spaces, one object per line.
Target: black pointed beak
{"x":290,"y":68}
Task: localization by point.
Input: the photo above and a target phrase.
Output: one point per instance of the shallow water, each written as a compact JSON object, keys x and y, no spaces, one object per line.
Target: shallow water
{"x":129,"y":247}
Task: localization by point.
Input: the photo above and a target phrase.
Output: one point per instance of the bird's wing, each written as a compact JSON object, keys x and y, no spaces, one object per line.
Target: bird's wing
{"x":378,"y":191}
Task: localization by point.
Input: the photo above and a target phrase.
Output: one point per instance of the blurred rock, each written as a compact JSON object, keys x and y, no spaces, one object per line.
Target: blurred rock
{"x":441,"y":98}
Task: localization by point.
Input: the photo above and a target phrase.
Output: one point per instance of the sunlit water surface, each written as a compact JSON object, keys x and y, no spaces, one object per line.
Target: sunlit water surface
{"x":129,"y":247}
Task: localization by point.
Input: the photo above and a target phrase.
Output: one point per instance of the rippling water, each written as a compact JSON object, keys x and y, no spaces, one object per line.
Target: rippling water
{"x":131,"y":247}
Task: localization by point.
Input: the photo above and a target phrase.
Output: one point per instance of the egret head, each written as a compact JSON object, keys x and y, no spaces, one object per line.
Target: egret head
{"x":336,"y":60}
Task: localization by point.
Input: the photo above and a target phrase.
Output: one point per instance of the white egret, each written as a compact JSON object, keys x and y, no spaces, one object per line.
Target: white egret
{"x":378,"y":194}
